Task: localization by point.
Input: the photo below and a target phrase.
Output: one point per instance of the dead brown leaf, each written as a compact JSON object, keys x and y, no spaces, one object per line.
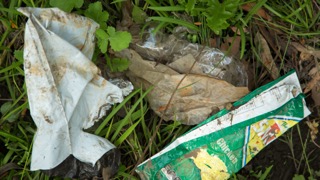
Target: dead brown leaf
{"x":306,"y":52}
{"x":261,"y":12}
{"x":237,"y":31}
{"x":213,"y":42}
{"x":315,"y":94}
{"x":231,"y":46}
{"x":126,"y":20}
{"x":313,"y":72}
{"x":313,"y":125}
{"x":266,"y":57}
{"x":315,"y":80}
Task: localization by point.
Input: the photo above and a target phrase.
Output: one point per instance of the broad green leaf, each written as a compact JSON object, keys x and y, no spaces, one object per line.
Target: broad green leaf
{"x":13,"y":117}
{"x":102,"y":37}
{"x":66,"y":5}
{"x":96,"y":13}
{"x":5,"y":107}
{"x":138,"y":15}
{"x":111,"y":31}
{"x":218,"y":14}
{"x":216,"y":25}
{"x":18,"y":54}
{"x":183,"y":2}
{"x":190,"y":5}
{"x":119,"y":40}
{"x":298,"y":177}
{"x":119,"y":64}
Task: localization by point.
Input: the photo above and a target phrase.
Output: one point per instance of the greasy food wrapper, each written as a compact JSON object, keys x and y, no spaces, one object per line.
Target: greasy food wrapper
{"x":196,"y":97}
{"x":227,"y":141}
{"x":65,"y":90}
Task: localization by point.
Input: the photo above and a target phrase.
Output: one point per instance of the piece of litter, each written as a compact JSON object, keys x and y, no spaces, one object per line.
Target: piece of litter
{"x":65,"y":90}
{"x":227,"y":141}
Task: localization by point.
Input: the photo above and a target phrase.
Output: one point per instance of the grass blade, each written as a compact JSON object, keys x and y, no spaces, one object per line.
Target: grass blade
{"x":114,"y":111}
{"x":125,"y":121}
{"x":167,"y":8}
{"x":175,"y":21}
{"x":127,"y":133}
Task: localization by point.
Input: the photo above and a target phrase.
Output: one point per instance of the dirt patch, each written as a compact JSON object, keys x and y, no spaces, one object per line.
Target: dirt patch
{"x":58,"y":71}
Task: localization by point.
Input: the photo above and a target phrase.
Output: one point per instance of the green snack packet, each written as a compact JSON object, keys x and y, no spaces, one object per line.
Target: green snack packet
{"x":227,"y":141}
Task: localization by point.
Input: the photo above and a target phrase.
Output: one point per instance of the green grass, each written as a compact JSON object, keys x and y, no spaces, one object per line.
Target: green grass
{"x":131,"y":124}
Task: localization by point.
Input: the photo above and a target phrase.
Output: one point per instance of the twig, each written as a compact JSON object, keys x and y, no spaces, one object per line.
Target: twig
{"x":164,"y":112}
{"x":315,"y":143}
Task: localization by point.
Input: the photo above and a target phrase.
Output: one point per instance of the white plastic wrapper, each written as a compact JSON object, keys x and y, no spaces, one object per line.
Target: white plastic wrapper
{"x":65,"y":91}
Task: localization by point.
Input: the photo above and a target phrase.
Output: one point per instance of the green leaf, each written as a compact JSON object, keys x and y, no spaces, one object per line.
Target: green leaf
{"x":167,"y":8}
{"x":103,"y":42}
{"x":175,"y":21}
{"x":298,"y":177}
{"x":13,"y":117}
{"x":66,"y":5}
{"x":12,"y":137}
{"x":190,"y":5}
{"x":119,"y":40}
{"x":240,"y":177}
{"x":183,"y":2}
{"x":119,"y":64}
{"x":138,"y":15}
{"x":218,"y":14}
{"x":96,"y":13}
{"x":5,"y":107}
{"x":115,"y":109}
{"x":243,"y":42}
{"x":117,"y":1}
{"x":125,"y":135}
{"x":127,"y":119}
{"x":111,"y":31}
{"x":266,"y":173}
{"x":18,"y":54}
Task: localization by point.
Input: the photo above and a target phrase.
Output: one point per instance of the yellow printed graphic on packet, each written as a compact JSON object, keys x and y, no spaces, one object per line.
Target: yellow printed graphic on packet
{"x":264,"y":132}
{"x":285,"y":124}
{"x":254,"y":146}
{"x":210,"y":166}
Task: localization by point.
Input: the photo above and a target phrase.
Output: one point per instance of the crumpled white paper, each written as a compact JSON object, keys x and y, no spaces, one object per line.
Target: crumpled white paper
{"x":65,"y":90}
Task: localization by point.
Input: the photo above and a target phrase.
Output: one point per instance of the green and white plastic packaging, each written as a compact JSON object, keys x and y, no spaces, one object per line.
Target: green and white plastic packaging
{"x":227,"y":141}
